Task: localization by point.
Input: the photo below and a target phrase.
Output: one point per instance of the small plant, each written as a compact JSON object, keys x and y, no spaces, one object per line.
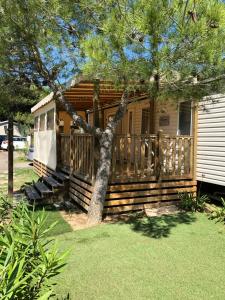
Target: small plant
{"x":193,"y":203}
{"x":28,"y":261}
{"x":5,"y":208}
{"x":219,"y":212}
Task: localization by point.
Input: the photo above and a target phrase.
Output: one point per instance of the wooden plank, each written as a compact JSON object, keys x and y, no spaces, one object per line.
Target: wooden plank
{"x":148,"y":185}
{"x":128,"y":194}
{"x":141,"y":200}
{"x":32,"y":193}
{"x":42,"y":188}
{"x":80,"y":202}
{"x":120,"y":209}
{"x":81,"y":190}
{"x":79,"y":195}
{"x":83,"y":184}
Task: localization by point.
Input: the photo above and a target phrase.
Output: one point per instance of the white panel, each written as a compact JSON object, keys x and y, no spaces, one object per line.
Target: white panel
{"x":215,"y":119}
{"x":211,"y":141}
{"x":207,"y":124}
{"x":45,"y":147}
{"x":210,"y":135}
{"x":211,"y":164}
{"x":210,"y":159}
{"x":211,"y":179}
{"x":210,"y":153}
{"x":210,"y":115}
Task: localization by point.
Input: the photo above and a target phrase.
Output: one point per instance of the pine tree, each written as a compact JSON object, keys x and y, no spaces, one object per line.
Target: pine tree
{"x":170,"y":49}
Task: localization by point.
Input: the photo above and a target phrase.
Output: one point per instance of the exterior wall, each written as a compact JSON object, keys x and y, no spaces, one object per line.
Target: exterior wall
{"x":45,"y":141}
{"x":211,"y":140}
{"x":66,"y":118}
{"x":161,"y":109}
{"x":170,"y":110}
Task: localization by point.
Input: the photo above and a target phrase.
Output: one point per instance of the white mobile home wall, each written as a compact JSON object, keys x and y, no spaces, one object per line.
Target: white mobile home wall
{"x":211,"y":140}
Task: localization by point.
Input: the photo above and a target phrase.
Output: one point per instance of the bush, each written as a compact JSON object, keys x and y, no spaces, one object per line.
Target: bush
{"x":190,"y":203}
{"x":5,"y":208}
{"x":219,"y":212}
{"x":27,"y":260}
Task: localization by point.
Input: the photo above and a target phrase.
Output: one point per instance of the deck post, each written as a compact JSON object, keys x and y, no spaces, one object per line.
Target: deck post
{"x":71,"y":150}
{"x":59,"y":130}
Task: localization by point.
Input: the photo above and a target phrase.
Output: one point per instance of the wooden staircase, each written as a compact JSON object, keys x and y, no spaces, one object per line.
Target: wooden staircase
{"x":49,"y":189}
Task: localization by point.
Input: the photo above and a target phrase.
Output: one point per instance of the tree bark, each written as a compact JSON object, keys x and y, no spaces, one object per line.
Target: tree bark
{"x":10,"y":156}
{"x":96,"y":207}
{"x":101,"y":180}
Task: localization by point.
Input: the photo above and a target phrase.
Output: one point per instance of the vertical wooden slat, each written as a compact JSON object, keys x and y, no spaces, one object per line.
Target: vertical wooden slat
{"x":179,"y":156}
{"x":129,"y":156}
{"x":142,"y":155}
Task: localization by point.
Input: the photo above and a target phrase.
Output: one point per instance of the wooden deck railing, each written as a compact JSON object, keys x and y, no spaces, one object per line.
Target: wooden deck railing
{"x":135,"y":157}
{"x":82,"y":155}
{"x":146,"y":157}
{"x":65,"y":150}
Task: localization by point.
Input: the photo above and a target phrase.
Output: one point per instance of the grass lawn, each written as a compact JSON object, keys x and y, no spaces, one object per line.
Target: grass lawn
{"x":21,"y":176}
{"x":169,"y":257}
{"x":54,"y":216}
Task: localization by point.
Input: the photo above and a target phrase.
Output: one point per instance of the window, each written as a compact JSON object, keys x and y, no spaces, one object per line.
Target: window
{"x":36,"y":123}
{"x":184,"y":118}
{"x":145,"y":121}
{"x":50,"y":119}
{"x":42,"y":122}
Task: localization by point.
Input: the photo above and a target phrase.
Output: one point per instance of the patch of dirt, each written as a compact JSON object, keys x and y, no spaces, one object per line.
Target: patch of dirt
{"x":163,"y":210}
{"x":76,"y":218}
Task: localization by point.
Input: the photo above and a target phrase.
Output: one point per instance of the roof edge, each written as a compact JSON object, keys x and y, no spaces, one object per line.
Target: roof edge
{"x":43,"y":102}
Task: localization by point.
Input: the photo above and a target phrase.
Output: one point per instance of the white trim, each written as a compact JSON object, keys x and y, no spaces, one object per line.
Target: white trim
{"x":43,"y":102}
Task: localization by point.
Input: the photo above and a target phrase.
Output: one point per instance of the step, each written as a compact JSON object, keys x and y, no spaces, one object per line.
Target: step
{"x":52,"y":182}
{"x":32,"y":193}
{"x":61,"y":176}
{"x":42,"y":188}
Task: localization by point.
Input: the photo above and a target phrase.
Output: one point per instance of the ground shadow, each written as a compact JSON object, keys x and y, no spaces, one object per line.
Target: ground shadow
{"x":159,"y":226}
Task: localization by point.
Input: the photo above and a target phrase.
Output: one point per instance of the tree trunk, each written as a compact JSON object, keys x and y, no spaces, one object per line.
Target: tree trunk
{"x":101,"y":180}
{"x":10,"y":156}
{"x":103,"y":171}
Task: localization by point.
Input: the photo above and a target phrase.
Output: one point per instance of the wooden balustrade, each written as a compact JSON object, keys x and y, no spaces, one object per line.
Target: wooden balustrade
{"x":134,"y":158}
{"x":151,"y":157}
{"x":82,"y":155}
{"x":65,"y":150}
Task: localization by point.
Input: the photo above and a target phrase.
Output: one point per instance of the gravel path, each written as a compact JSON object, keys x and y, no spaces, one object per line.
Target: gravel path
{"x":4,"y":162}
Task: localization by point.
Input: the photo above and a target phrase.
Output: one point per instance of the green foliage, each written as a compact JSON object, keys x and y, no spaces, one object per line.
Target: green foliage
{"x":28,"y":261}
{"x":190,"y":203}
{"x":219,"y":212}
{"x":175,"y":40}
{"x":5,"y":208}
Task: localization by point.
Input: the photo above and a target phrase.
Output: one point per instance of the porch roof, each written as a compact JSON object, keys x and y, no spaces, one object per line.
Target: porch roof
{"x":80,"y":93}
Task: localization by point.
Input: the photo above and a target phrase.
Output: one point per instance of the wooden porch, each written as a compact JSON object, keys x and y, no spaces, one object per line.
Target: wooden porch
{"x":146,"y":170}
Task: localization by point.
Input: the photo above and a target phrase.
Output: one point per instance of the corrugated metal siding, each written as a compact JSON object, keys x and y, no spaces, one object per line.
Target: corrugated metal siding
{"x":211,"y":140}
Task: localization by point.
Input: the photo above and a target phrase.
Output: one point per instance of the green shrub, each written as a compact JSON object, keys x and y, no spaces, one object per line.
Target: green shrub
{"x":27,"y":260}
{"x":219,"y":212}
{"x":5,"y":208}
{"x":190,"y":203}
